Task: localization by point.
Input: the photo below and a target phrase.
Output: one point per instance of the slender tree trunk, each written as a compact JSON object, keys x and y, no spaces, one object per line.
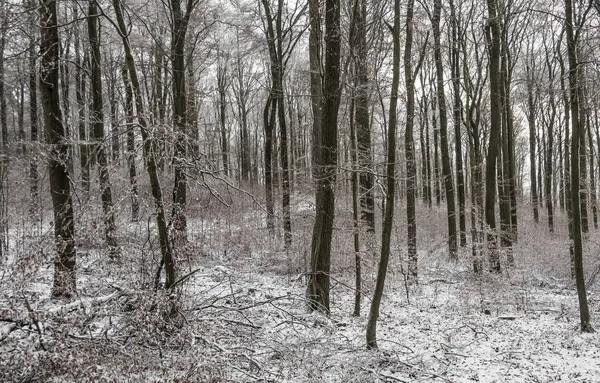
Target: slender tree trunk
{"x":446,"y":166}
{"x":222,"y":89}
{"x":363,"y":128}
{"x":409,"y":146}
{"x":456,"y":113}
{"x":97,"y":115}
{"x":33,"y":117}
{"x":60,"y":188}
{"x":436,"y":153}
{"x":269,"y":121}
{"x":583,"y":187}
{"x":355,"y":212}
{"x":593,"y":196}
{"x":80,"y":92}
{"x":135,"y":206}
{"x":149,"y":153}
{"x":531,"y":118}
{"x":391,"y":187}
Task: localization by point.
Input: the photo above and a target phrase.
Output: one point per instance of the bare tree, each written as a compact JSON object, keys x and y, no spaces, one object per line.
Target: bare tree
{"x":318,"y":285}
{"x":371,"y":333}
{"x":60,"y":187}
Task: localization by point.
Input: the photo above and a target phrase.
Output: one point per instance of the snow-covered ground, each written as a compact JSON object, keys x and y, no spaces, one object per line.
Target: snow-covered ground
{"x":241,"y":316}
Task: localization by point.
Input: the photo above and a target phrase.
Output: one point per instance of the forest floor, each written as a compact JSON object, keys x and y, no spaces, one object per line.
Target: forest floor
{"x":241,"y":316}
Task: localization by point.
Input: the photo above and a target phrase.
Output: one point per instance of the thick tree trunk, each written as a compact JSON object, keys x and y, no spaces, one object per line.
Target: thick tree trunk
{"x":575,"y":174}
{"x":316,"y":82}
{"x":493,"y":41}
{"x":318,"y":286}
{"x":60,"y":187}
{"x":178,"y":34}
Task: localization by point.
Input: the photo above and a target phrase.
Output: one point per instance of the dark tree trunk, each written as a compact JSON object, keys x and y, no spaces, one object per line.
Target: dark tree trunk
{"x":363,"y":128}
{"x":149,"y":153}
{"x":355,"y":212}
{"x":80,"y":92}
{"x":531,"y":118}
{"x":493,"y":41}
{"x":316,"y":81}
{"x":456,"y":113}
{"x":33,"y":117}
{"x":97,"y":116}
{"x":446,"y":166}
{"x":222,"y":89}
{"x":391,"y":185}
{"x":60,"y":188}
{"x":135,"y":206}
{"x":583,"y":187}
{"x":269,"y":122}
{"x":436,"y":153}
{"x":593,"y":196}
{"x":318,"y":286}
{"x":575,"y":174}
{"x":178,"y":34}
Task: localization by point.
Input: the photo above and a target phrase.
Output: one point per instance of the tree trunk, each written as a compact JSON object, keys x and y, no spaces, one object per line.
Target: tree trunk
{"x":97,"y":116}
{"x":60,"y":188}
{"x":316,"y":84}
{"x":33,"y":117}
{"x":409,"y":146}
{"x":575,"y":174}
{"x":493,"y":41}
{"x":391,"y":185}
{"x":80,"y":92}
{"x":592,"y":176}
{"x":531,"y":117}
{"x":355,"y":212}
{"x":135,"y":206}
{"x":178,"y":34}
{"x":363,"y":128}
{"x":149,"y":152}
{"x":318,"y":286}
{"x":456,"y":113}
{"x":446,"y":166}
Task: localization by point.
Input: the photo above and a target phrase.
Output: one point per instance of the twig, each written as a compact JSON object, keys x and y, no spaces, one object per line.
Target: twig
{"x":34,"y":320}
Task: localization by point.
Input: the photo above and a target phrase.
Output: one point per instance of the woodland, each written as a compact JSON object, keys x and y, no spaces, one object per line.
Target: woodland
{"x":299,"y":190}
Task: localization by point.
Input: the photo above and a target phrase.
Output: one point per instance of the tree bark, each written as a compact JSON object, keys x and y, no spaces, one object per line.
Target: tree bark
{"x":456,"y":113}
{"x":493,"y":41}
{"x":149,"y":152}
{"x":318,"y":286}
{"x":33,"y":117}
{"x":180,"y":19}
{"x":60,"y":188}
{"x":371,"y":333}
{"x":574,"y":93}
{"x":531,"y":118}
{"x":97,"y":115}
{"x":446,"y":166}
